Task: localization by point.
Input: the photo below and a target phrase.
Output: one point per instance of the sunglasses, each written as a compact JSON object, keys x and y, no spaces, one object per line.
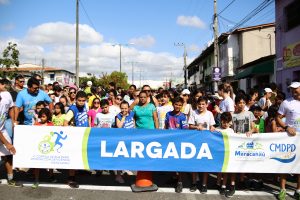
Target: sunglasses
{"x":185,"y":95}
{"x":147,"y":90}
{"x":96,"y":102}
{"x":72,"y":92}
{"x":119,"y":99}
{"x":22,"y":81}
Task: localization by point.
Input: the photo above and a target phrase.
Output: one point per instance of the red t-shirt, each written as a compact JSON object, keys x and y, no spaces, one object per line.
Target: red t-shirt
{"x":46,"y":124}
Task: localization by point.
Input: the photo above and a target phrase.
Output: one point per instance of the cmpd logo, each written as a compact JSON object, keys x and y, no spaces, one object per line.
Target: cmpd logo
{"x":51,"y":142}
{"x":249,"y":151}
{"x":284,"y":153}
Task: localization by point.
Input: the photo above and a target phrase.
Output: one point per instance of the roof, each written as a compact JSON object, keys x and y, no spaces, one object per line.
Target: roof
{"x":250,"y":28}
{"x":262,"y":59}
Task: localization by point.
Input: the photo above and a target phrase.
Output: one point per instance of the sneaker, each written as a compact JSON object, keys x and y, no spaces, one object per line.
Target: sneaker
{"x":222,"y":190}
{"x":297,"y":195}
{"x":282,"y":194}
{"x":230,"y":192}
{"x":179,"y":187}
{"x":73,"y":184}
{"x":52,"y":179}
{"x":203,"y":189}
{"x":35,"y":185}
{"x":119,"y":179}
{"x":193,"y":188}
{"x":14,"y":183}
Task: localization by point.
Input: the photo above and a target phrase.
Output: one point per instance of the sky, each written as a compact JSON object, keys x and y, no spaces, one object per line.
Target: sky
{"x":147,"y":29}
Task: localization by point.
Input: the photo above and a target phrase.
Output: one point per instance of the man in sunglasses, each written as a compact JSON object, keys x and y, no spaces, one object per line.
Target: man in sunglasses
{"x":28,"y":98}
{"x":19,"y":83}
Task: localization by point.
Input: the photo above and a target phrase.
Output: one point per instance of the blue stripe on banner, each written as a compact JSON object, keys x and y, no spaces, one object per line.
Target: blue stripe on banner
{"x":155,"y":150}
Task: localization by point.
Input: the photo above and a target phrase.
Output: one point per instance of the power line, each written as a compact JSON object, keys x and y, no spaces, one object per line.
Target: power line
{"x":87,"y":15}
{"x":226,"y":7}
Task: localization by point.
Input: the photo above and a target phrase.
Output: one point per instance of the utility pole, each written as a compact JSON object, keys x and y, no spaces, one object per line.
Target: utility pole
{"x":216,"y":47}
{"x":184,"y":60}
{"x":77,"y":43}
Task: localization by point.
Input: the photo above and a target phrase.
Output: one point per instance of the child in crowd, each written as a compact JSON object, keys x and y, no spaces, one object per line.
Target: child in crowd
{"x":38,"y":107}
{"x":176,"y":120}
{"x":105,"y":119}
{"x":243,"y":123}
{"x":125,"y":119}
{"x":163,"y":109}
{"x":226,"y":122}
{"x":44,"y":120}
{"x":259,"y":122}
{"x":95,"y":108}
{"x":59,"y":115}
{"x":201,"y":119}
{"x":77,"y":116}
{"x":64,"y":100}
{"x":270,"y":122}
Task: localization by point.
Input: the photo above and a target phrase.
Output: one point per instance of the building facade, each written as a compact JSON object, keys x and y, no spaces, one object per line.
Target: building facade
{"x":287,"y":43}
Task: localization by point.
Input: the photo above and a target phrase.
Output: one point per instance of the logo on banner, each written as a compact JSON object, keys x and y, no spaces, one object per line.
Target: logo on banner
{"x":284,"y":153}
{"x":51,"y":142}
{"x":249,"y":151}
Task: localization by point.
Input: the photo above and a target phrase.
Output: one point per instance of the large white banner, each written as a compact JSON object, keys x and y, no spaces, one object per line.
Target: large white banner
{"x":154,"y":150}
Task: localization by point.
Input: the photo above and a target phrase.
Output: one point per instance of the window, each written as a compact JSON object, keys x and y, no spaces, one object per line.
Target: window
{"x":292,"y":15}
{"x":52,"y":77}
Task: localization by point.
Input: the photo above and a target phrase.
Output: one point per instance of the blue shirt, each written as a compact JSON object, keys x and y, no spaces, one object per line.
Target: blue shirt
{"x":129,"y":122}
{"x":173,"y":121}
{"x":28,"y":102}
{"x":80,"y":116}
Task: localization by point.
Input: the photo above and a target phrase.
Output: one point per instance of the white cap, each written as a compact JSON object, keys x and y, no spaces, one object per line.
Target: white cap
{"x":89,"y":83}
{"x":217,"y":96}
{"x":295,"y":85}
{"x":186,"y":91}
{"x":267,"y":90}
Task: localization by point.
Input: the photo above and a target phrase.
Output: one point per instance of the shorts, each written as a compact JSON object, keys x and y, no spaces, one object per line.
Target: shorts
{"x":3,"y":150}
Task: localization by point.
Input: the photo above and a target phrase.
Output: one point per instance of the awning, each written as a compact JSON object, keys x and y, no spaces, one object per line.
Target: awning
{"x":266,"y":67}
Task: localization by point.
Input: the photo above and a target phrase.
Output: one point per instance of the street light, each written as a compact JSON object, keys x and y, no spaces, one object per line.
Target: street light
{"x":184,"y":60}
{"x":120,"y":45}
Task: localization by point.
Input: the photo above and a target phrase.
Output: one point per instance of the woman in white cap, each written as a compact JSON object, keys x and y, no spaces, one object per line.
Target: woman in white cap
{"x":265,"y":101}
{"x":185,"y":95}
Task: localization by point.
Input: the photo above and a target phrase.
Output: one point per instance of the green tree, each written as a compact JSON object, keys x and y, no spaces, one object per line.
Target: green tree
{"x":9,"y":60}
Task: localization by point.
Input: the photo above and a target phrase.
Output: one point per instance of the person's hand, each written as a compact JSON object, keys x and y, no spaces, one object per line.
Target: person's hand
{"x":249,"y":134}
{"x":291,"y":131}
{"x":217,"y":109}
{"x":212,"y":129}
{"x":200,"y":127}
{"x":11,"y":148}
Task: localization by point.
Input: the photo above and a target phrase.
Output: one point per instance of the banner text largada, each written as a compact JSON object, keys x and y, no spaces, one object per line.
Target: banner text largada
{"x":154,"y":150}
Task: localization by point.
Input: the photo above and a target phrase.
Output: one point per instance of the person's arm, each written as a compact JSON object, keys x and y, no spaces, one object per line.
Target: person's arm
{"x":119,"y":122}
{"x":68,"y":118}
{"x":136,"y":101}
{"x":90,"y":121}
{"x":212,"y":128}
{"x":9,"y":146}
{"x":274,"y":126}
{"x":155,"y":101}
{"x":288,"y":129}
{"x":155,"y":118}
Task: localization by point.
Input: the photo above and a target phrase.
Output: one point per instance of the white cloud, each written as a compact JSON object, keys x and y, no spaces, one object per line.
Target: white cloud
{"x":95,"y":57}
{"x":192,"y":21}
{"x":144,"y":41}
{"x":8,"y":27}
{"x":62,"y":33}
{"x":4,"y":1}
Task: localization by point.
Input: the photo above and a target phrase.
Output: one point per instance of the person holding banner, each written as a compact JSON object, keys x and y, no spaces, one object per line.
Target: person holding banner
{"x":77,"y":114}
{"x":201,"y":119}
{"x":7,"y":149}
{"x":176,"y":120}
{"x":290,"y":109}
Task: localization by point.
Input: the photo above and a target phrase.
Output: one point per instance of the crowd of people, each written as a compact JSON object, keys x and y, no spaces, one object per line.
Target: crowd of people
{"x":93,"y":106}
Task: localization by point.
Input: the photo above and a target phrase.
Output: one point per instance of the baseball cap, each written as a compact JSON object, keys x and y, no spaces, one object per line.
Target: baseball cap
{"x":186,"y":91}
{"x":295,"y":85}
{"x":89,"y":83}
{"x":267,"y":90}
{"x":255,"y":107}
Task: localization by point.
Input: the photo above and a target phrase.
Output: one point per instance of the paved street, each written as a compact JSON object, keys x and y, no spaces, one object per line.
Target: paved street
{"x":104,"y":187}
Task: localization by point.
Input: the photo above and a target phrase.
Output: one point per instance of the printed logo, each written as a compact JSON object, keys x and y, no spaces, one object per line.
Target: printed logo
{"x":51,"y":142}
{"x":249,"y":151}
{"x":284,"y":153}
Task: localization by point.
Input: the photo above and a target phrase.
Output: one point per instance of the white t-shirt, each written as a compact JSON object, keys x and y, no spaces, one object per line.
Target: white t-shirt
{"x":291,"y":109}
{"x":115,"y":110}
{"x":104,"y":120}
{"x":227,"y":105}
{"x":227,"y":130}
{"x":161,"y":112}
{"x":6,"y":102}
{"x":205,"y":119}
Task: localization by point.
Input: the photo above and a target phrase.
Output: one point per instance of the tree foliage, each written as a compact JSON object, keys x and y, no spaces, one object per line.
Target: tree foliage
{"x":120,"y":78}
{"x":9,"y":59}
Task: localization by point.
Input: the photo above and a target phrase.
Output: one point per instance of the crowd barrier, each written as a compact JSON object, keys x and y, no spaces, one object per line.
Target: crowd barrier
{"x":154,"y":150}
